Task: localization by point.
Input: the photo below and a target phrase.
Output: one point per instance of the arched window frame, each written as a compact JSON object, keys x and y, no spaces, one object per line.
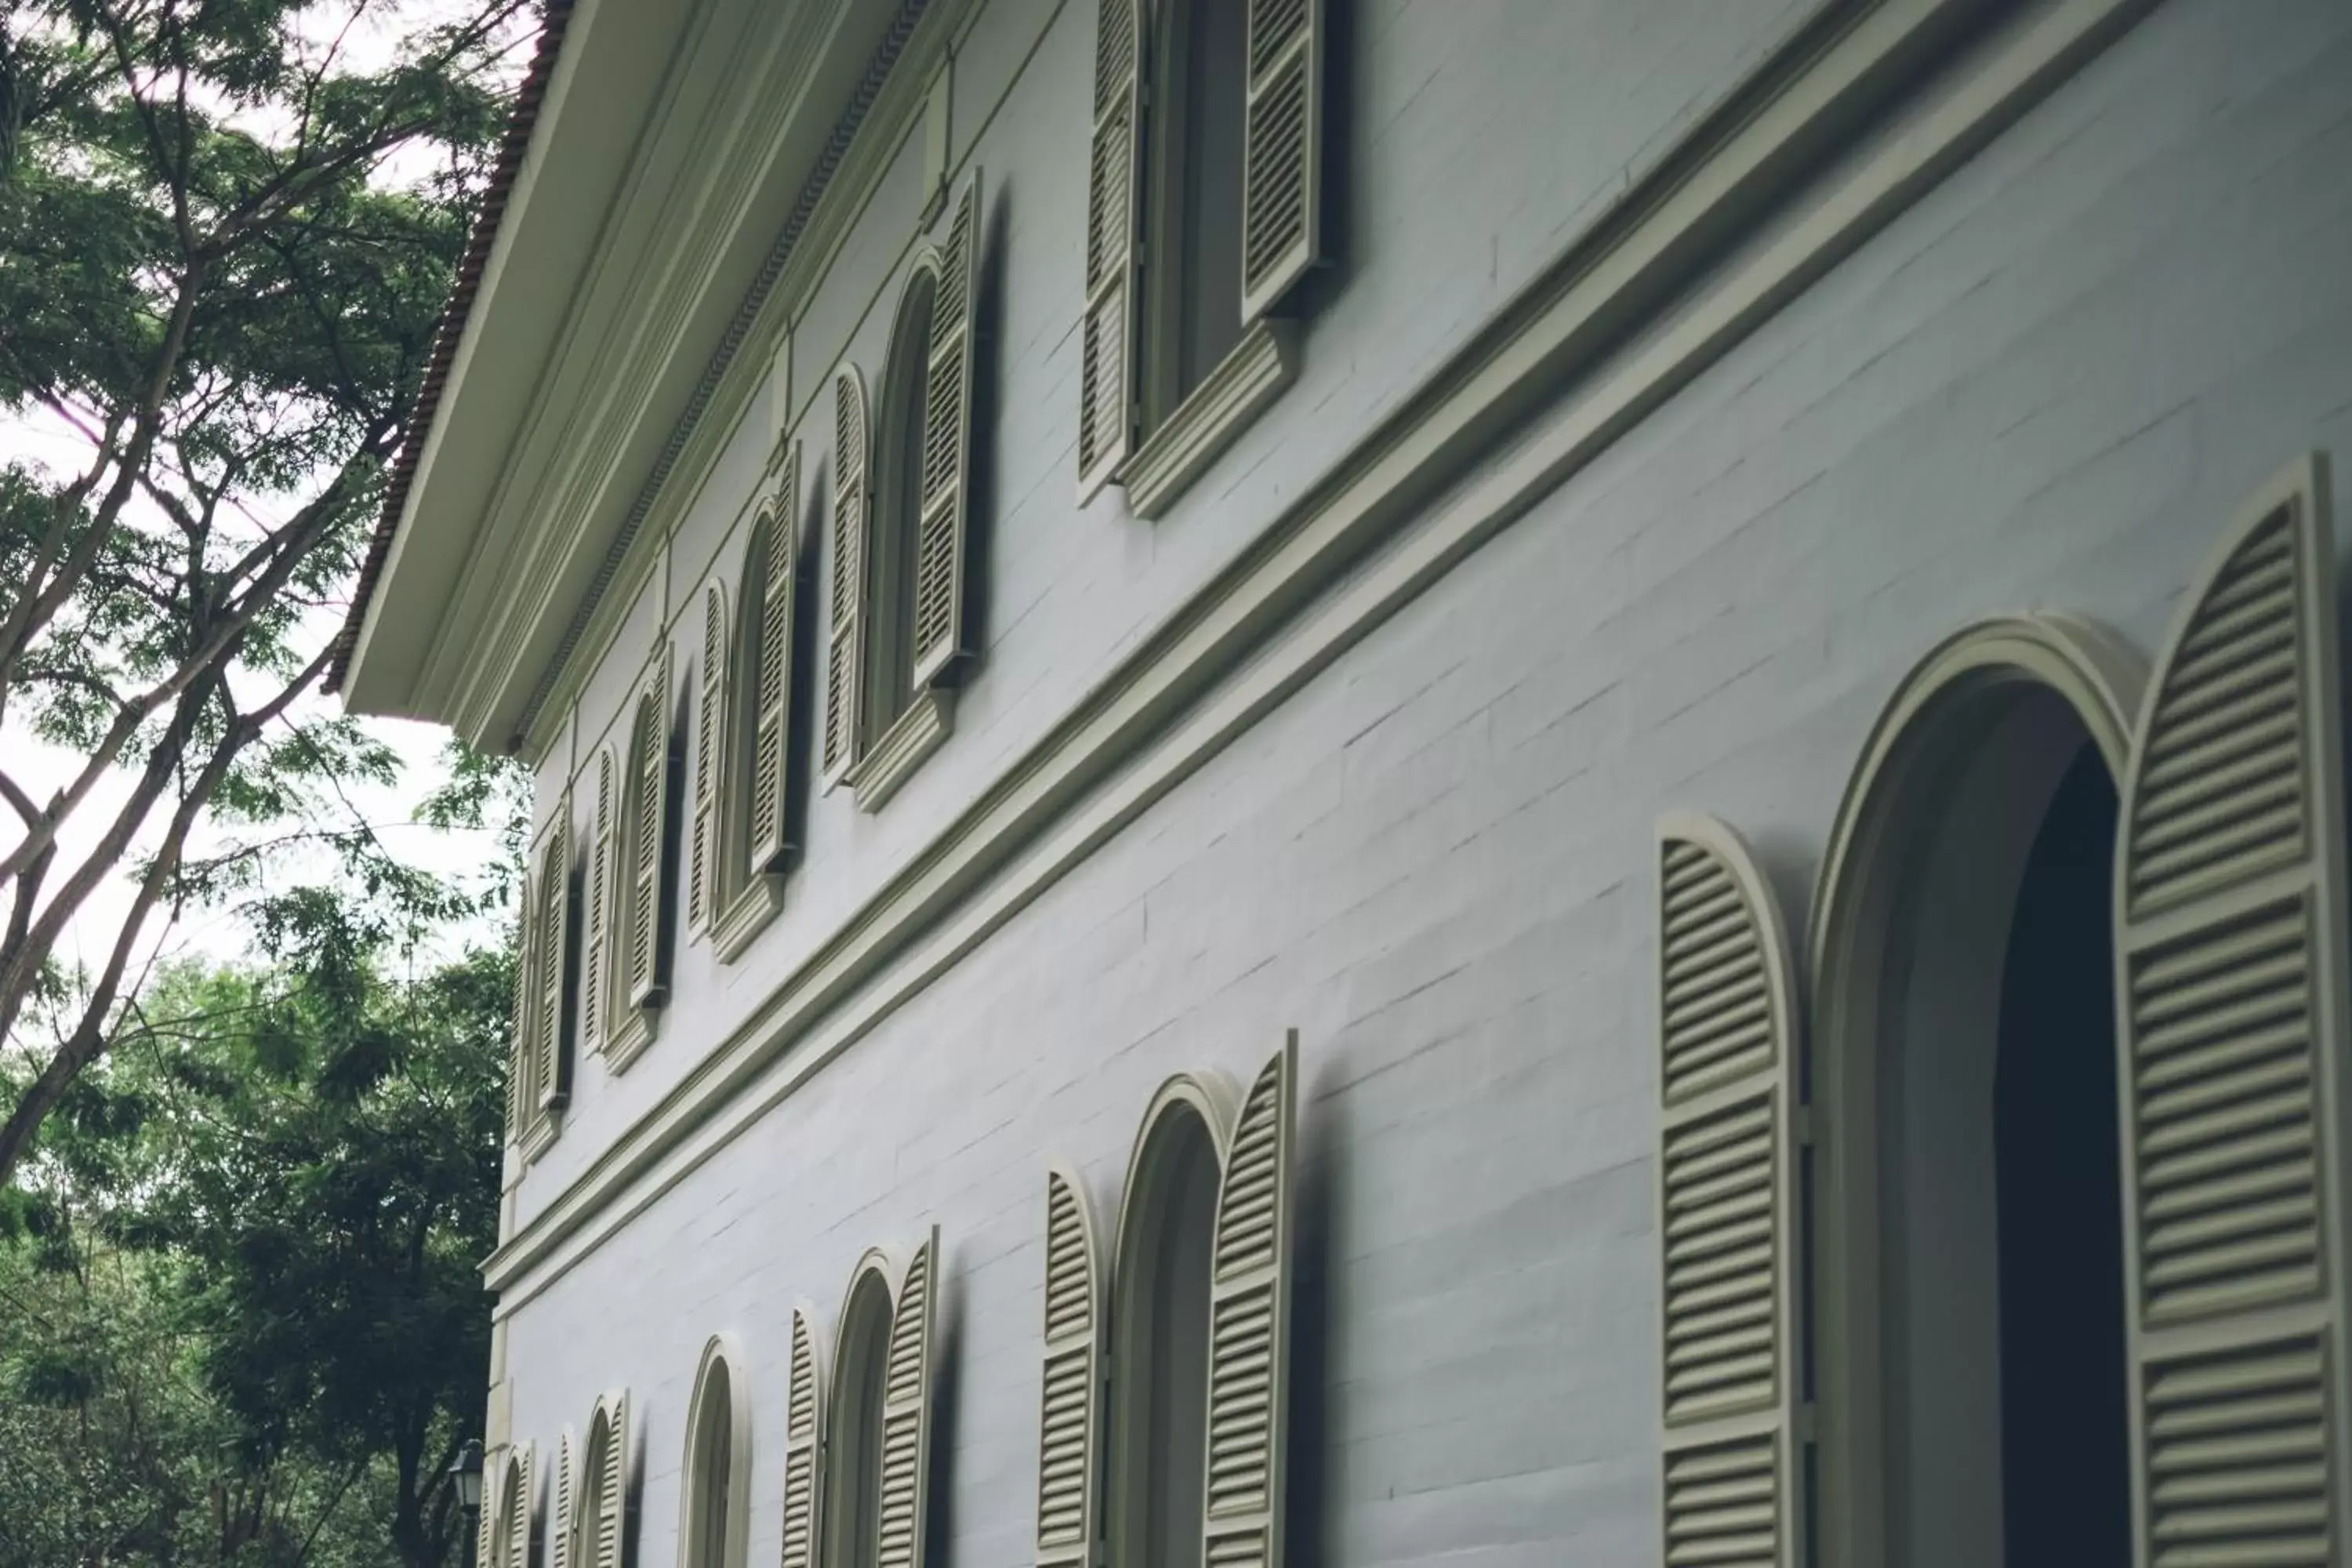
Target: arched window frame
{"x":603,"y":1521}
{"x":644,"y":873}
{"x":1089,"y":1354}
{"x":1131,"y":430}
{"x":703,"y":1542}
{"x":510,"y":1501}
{"x":825,"y":1424}
{"x":746,"y":799}
{"x":899,"y":650}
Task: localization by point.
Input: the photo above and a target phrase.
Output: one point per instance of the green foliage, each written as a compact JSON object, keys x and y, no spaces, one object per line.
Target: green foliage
{"x":226,"y":233}
{"x":239,"y":1299}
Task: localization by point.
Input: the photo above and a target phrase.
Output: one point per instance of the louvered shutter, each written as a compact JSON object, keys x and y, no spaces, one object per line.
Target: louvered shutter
{"x":907,"y":1412}
{"x":596,"y":983}
{"x":803,"y":1444}
{"x":845,"y":685}
{"x":610,"y":1523}
{"x":552,"y":1075}
{"x":710,"y":677}
{"x":519,"y":1053}
{"x":1106,"y":406}
{"x":769,"y":844}
{"x":2230,"y":908}
{"x":563,"y":1547}
{"x":1249,"y":1326}
{"x":518,"y":1507}
{"x":487,"y":1537}
{"x":649,"y":771}
{"x":1731,"y":1288}
{"x":943,"y":540}
{"x":1071,"y":1419}
{"x":1282,"y":151}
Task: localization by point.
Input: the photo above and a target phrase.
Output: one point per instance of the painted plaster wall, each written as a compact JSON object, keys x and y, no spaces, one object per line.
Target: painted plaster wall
{"x":1479,"y":140}
{"x":2046,"y":386}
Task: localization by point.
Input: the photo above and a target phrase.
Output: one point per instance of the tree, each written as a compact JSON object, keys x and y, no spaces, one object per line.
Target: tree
{"x":281,"y":1181}
{"x":224,"y":243}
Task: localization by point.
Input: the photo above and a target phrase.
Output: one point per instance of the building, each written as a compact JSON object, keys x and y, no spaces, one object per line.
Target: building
{"x":1333,"y":780}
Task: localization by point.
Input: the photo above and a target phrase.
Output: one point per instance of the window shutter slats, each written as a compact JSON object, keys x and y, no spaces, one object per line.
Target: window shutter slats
{"x":768,"y":837}
{"x":2230,"y":966}
{"x":1249,"y":1326}
{"x":803,"y":1444}
{"x":552,"y":1075}
{"x":486,"y":1540}
{"x":1070,"y":1421}
{"x":604,"y":1521}
{"x":907,"y":1412}
{"x":597,"y":981}
{"x":562,"y":1548}
{"x":702,"y":877}
{"x":844,"y":685}
{"x":520,"y":1052}
{"x":1107,"y":395}
{"x":649,"y":753}
{"x":1731,"y":1288}
{"x":518,"y":1507}
{"x":1282,"y":151}
{"x":942,"y":543}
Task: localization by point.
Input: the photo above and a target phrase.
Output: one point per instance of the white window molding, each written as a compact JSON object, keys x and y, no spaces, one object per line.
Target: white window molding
{"x":752,"y":841}
{"x":857,"y":1453}
{"x":605,"y":1519}
{"x":646,"y":874}
{"x":548,"y":991}
{"x":715,"y":1477}
{"x":1246,"y":381}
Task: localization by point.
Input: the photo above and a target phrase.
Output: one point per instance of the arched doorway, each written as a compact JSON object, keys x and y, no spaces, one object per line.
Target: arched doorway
{"x":1970,"y":1341}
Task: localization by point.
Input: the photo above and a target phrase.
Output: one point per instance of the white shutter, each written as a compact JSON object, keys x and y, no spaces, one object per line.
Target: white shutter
{"x":1070,"y":1422}
{"x":943,"y":541}
{"x":563,"y":1547}
{"x":1107,"y":398}
{"x":603,"y":1534}
{"x":518,"y":1499}
{"x":596,"y":980}
{"x":710,"y":762}
{"x":907,"y":1412}
{"x":1732,"y":1288}
{"x":552,"y":1075}
{"x":803,"y":1444}
{"x":2231,"y":964}
{"x":649,"y":797}
{"x":773,"y":693}
{"x":519,"y":1053}
{"x":487,"y":1537}
{"x":1249,"y":1326}
{"x":844,"y":684}
{"x":1282,"y":153}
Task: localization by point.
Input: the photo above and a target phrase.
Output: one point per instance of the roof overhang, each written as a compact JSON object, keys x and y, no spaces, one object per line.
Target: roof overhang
{"x":666,"y":155}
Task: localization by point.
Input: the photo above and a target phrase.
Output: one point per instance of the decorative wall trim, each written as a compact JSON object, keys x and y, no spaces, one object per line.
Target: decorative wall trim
{"x":1248,"y":378}
{"x":1540,"y":377}
{"x":914,"y":735}
{"x":747,"y":914}
{"x":634,"y":1028}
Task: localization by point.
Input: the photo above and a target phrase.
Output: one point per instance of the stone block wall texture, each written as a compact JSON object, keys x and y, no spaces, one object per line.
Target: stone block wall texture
{"x":2044,"y":387}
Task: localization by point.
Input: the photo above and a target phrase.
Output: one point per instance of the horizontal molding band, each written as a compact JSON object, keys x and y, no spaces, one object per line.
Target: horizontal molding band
{"x":1287,"y":609}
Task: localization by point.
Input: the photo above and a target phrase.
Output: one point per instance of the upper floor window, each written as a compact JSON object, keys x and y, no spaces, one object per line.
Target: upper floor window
{"x":744,"y":803}
{"x":539,"y":1079}
{"x":901,"y":548}
{"x":632,"y":875}
{"x":1203,"y":212}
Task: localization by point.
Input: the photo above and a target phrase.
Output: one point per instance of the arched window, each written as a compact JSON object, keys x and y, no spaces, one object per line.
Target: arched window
{"x":853,"y":1479}
{"x":512,"y":1499}
{"x":644,"y":873}
{"x":901,"y":546}
{"x":715,"y":1483}
{"x":600,"y":1526}
{"x":546,"y":989}
{"x":1203,"y":211}
{"x":760,"y":703}
{"x":1188,"y":1451}
{"x":1159,"y":1344}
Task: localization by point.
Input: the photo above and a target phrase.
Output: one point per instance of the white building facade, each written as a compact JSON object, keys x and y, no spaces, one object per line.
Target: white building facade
{"x":1340,"y":782}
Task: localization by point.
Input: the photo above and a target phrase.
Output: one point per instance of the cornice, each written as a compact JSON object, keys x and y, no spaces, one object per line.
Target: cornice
{"x":886,"y":104}
{"x":1771,"y":179}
